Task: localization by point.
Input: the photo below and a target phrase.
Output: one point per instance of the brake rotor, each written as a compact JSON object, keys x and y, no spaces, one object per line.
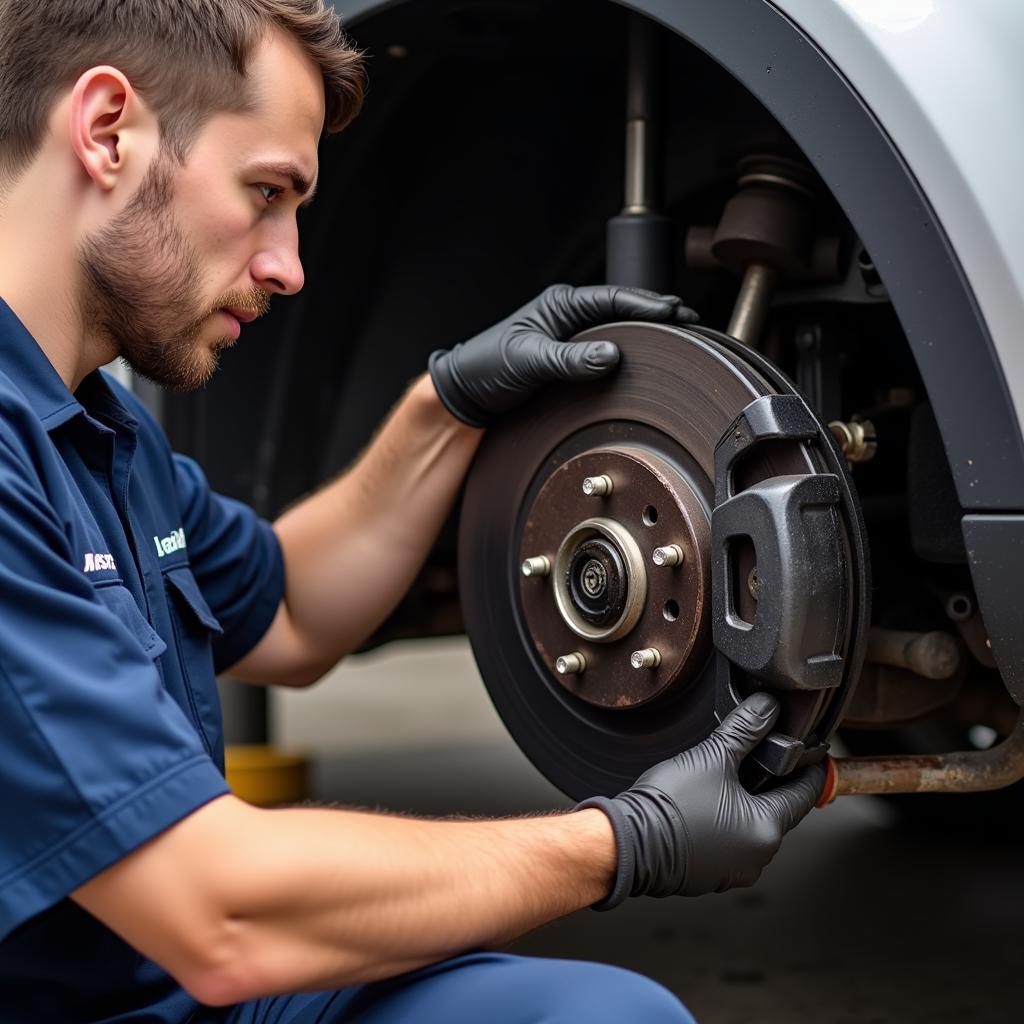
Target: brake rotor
{"x":615,"y":600}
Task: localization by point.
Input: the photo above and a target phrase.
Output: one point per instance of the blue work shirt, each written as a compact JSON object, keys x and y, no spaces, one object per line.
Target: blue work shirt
{"x":125,"y":585}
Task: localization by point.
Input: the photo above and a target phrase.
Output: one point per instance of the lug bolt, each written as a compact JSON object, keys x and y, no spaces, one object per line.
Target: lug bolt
{"x":570,"y":664}
{"x":649,"y":657}
{"x":670,"y":554}
{"x":538,"y":566}
{"x":597,"y":486}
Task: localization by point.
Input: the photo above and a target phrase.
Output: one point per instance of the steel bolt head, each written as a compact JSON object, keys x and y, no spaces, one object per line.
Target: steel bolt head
{"x":597,"y":486}
{"x":649,"y":657}
{"x":570,"y":664}
{"x":540,"y":565}
{"x":670,"y":554}
{"x":856,"y":438}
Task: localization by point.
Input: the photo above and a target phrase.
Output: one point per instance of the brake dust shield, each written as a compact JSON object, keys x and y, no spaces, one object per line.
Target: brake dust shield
{"x":639,"y":554}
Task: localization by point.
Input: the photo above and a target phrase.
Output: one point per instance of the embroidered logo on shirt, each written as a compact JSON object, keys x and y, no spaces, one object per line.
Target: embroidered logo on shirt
{"x":95,"y":562}
{"x":174,"y":541}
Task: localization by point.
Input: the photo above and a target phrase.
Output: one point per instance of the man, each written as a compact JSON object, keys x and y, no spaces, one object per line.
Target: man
{"x":153,"y":154}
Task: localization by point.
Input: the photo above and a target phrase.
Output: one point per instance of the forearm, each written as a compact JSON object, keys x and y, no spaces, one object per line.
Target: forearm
{"x":393,"y":894}
{"x":353,"y":549}
{"x":238,"y":902}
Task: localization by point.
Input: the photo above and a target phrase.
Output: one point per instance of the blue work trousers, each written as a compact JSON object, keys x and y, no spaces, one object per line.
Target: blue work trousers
{"x":480,"y":987}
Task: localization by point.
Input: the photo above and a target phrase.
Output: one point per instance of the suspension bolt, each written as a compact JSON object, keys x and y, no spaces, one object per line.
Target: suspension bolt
{"x":538,"y":566}
{"x":597,"y":486}
{"x":856,"y":439}
{"x":670,"y":554}
{"x":649,"y":657}
{"x":570,"y":664}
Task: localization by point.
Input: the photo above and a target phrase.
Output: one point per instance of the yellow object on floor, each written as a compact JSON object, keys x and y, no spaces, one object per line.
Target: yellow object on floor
{"x":265,"y":776}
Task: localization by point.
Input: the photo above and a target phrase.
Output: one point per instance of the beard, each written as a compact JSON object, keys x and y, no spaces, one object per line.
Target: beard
{"x":142,"y":286}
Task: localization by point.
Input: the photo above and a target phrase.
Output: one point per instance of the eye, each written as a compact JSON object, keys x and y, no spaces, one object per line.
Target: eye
{"x":270,"y":192}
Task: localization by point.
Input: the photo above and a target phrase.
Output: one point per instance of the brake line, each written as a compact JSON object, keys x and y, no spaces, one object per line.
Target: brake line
{"x":968,"y":771}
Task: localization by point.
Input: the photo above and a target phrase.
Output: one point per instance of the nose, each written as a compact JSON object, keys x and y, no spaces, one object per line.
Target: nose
{"x":276,"y":267}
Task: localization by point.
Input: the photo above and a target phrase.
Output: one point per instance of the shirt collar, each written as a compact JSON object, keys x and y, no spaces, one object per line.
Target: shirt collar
{"x":28,"y":367}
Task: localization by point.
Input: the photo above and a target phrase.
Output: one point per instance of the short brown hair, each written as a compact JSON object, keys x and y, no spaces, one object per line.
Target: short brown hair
{"x":187,"y":58}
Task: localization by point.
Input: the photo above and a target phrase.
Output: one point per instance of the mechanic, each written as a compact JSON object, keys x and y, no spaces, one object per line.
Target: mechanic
{"x":153,"y":156}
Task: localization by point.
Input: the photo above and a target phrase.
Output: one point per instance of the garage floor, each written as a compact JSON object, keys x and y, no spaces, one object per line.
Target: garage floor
{"x":857,"y":921}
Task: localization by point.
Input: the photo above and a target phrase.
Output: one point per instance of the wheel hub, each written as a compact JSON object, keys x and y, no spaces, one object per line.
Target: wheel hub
{"x":606,"y":597}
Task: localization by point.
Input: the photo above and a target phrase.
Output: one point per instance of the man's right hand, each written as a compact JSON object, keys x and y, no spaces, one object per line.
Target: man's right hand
{"x":687,"y":826}
{"x":307,"y":899}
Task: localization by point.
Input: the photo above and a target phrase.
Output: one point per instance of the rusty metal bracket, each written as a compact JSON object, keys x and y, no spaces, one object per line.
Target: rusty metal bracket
{"x":970,"y":771}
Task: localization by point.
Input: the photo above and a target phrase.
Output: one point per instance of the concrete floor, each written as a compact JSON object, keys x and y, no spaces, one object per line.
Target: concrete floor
{"x":858,"y":920}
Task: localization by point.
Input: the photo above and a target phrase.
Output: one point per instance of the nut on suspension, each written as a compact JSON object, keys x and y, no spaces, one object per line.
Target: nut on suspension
{"x":856,"y":439}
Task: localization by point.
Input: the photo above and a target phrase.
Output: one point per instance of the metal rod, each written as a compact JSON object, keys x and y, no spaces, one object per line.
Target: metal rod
{"x":644,"y":89}
{"x":934,"y":655}
{"x":639,"y":198}
{"x":752,"y":304}
{"x":640,"y":239}
{"x":971,"y":771}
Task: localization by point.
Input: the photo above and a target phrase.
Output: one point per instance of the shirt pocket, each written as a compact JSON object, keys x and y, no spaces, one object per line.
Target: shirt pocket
{"x":118,"y":599}
{"x":194,"y":627}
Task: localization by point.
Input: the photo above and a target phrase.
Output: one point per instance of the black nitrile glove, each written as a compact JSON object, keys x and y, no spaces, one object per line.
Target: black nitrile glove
{"x":497,"y":370}
{"x":689,"y":827}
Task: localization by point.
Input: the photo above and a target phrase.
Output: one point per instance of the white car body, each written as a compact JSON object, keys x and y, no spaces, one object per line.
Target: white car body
{"x":945,"y":80}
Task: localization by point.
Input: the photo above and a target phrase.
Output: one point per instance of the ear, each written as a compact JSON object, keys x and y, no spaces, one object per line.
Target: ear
{"x":105,"y":112}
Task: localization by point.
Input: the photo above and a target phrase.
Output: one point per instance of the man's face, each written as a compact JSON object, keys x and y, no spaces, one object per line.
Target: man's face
{"x":200,"y":248}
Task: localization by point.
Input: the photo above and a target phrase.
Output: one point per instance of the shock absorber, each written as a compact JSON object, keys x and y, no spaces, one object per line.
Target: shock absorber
{"x":768,"y":234}
{"x":639,"y":239}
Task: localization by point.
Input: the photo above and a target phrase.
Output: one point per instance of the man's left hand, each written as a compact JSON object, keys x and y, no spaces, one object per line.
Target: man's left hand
{"x":501,"y":368}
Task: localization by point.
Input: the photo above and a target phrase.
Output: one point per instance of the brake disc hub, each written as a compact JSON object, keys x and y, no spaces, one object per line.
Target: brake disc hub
{"x":606,"y":596}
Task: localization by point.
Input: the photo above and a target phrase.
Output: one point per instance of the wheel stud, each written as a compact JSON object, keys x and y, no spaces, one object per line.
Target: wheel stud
{"x":537,"y":566}
{"x":570,"y":664}
{"x":649,"y":657}
{"x":670,"y":554}
{"x":597,"y":486}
